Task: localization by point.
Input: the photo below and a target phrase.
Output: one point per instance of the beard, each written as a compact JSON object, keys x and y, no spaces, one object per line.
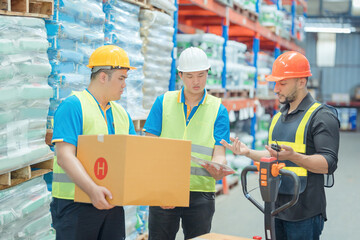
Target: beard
{"x":289,"y":98}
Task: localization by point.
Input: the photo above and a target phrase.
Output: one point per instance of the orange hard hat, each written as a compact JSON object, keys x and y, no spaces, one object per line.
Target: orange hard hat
{"x":289,"y":65}
{"x":109,"y":56}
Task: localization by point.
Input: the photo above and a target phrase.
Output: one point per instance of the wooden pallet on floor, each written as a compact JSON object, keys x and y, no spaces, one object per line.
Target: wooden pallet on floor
{"x":36,"y":169}
{"x":27,"y":8}
{"x":233,"y":182}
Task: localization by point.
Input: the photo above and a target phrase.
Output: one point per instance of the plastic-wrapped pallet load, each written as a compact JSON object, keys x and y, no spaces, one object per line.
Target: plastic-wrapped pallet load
{"x":157,"y":34}
{"x":74,"y":32}
{"x":122,"y":28}
{"x":213,"y":47}
{"x":24,"y":211}
{"x":130,"y":222}
{"x":24,"y":91}
{"x":239,"y":75}
{"x":166,"y":5}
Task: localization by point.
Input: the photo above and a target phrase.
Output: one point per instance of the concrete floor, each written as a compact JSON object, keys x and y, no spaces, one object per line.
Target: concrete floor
{"x":237,"y":216}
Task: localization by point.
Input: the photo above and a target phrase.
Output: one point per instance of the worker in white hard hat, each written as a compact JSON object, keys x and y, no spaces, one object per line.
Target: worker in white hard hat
{"x":191,"y":114}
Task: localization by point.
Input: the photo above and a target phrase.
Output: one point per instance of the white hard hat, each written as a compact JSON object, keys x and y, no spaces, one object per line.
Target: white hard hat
{"x":193,"y":59}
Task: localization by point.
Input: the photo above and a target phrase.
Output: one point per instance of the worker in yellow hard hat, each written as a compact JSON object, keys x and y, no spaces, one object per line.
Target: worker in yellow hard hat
{"x":308,"y":134}
{"x":91,"y":111}
{"x":190,"y":114}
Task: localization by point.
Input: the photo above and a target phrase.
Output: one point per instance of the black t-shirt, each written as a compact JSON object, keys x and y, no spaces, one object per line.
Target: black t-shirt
{"x":323,"y":139}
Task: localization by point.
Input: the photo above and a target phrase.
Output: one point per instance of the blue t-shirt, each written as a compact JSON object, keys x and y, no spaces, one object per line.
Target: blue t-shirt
{"x":153,"y":123}
{"x":68,"y":121}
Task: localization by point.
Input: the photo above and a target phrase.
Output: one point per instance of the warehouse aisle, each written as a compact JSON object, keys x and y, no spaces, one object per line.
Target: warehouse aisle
{"x":236,"y":216}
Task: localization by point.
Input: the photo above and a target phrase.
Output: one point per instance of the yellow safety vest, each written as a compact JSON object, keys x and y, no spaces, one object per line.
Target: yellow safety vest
{"x":200,"y":130}
{"x":292,"y":134}
{"x":93,"y":124}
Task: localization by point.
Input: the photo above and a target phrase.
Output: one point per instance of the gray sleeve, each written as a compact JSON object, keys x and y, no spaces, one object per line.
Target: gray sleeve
{"x":325,"y":133}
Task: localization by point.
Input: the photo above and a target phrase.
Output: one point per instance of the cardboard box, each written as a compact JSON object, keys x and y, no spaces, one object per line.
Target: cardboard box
{"x":215,"y":236}
{"x":137,"y":170}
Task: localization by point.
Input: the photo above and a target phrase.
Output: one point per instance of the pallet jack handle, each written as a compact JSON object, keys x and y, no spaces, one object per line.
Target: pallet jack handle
{"x":269,"y":181}
{"x":291,"y":203}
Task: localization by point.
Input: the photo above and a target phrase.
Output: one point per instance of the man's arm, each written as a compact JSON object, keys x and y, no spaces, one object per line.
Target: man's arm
{"x":240,"y":148}
{"x":314,"y":163}
{"x":67,"y":160}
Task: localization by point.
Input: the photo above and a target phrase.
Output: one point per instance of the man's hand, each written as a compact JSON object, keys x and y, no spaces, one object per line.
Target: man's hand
{"x":237,"y":147}
{"x":167,"y":207}
{"x":98,"y":198}
{"x":286,"y":152}
{"x":217,"y":174}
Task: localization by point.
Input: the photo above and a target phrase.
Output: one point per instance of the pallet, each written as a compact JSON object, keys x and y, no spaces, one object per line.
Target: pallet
{"x":17,"y":176}
{"x":220,"y":93}
{"x":274,"y":29}
{"x":143,"y":237}
{"x":253,"y":16}
{"x":141,"y":3}
{"x":243,"y":93}
{"x":27,"y":8}
{"x":231,"y":184}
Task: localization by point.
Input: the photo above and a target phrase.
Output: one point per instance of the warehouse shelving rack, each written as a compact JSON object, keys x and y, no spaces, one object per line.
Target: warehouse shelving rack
{"x":236,"y":24}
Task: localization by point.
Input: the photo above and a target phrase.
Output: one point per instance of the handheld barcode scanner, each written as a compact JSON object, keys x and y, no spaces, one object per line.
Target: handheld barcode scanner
{"x":269,"y":181}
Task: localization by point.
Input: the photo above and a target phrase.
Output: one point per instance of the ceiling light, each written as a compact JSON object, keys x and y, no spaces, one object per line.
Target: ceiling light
{"x":328,"y":29}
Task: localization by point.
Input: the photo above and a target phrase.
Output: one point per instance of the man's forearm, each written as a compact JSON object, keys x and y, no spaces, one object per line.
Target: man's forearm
{"x":78,"y":175}
{"x":256,"y":155}
{"x":313,"y":163}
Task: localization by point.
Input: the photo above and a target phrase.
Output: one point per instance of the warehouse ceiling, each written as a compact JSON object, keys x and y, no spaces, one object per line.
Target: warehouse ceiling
{"x":329,"y":7}
{"x":333,"y":12}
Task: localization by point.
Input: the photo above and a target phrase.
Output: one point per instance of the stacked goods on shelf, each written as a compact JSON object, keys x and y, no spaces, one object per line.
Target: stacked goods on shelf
{"x":247,"y":4}
{"x":130,"y":222}
{"x":272,"y":18}
{"x":142,"y":214}
{"x":122,"y":28}
{"x":213,"y":47}
{"x":264,"y":64}
{"x":74,"y":32}
{"x":24,"y":91}
{"x":348,"y":118}
{"x":166,"y":5}
{"x":239,"y":75}
{"x":157,"y":34}
{"x":262,"y":133}
{"x":24,"y":211}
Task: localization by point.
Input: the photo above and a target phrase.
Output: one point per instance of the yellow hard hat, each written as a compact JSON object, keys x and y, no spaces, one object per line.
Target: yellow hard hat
{"x":109,"y":57}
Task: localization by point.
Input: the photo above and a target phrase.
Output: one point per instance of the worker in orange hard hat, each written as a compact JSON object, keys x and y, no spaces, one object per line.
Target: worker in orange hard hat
{"x":91,"y":111}
{"x":308,"y":134}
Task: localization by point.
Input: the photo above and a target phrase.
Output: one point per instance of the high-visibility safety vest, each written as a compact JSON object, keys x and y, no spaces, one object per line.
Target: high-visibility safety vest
{"x":200,"y":130}
{"x":292,"y":134}
{"x":93,"y":124}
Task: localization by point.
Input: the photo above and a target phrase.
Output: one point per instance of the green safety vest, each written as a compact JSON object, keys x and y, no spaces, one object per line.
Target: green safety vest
{"x":292,"y":134}
{"x":93,"y":124}
{"x":200,"y":130}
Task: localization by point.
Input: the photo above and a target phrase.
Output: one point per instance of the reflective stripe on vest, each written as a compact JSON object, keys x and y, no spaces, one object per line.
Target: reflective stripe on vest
{"x":200,"y":130}
{"x":296,"y":140}
{"x":93,"y":124}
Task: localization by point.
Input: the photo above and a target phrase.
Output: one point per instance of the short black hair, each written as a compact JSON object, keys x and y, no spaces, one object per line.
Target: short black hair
{"x":108,"y":72}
